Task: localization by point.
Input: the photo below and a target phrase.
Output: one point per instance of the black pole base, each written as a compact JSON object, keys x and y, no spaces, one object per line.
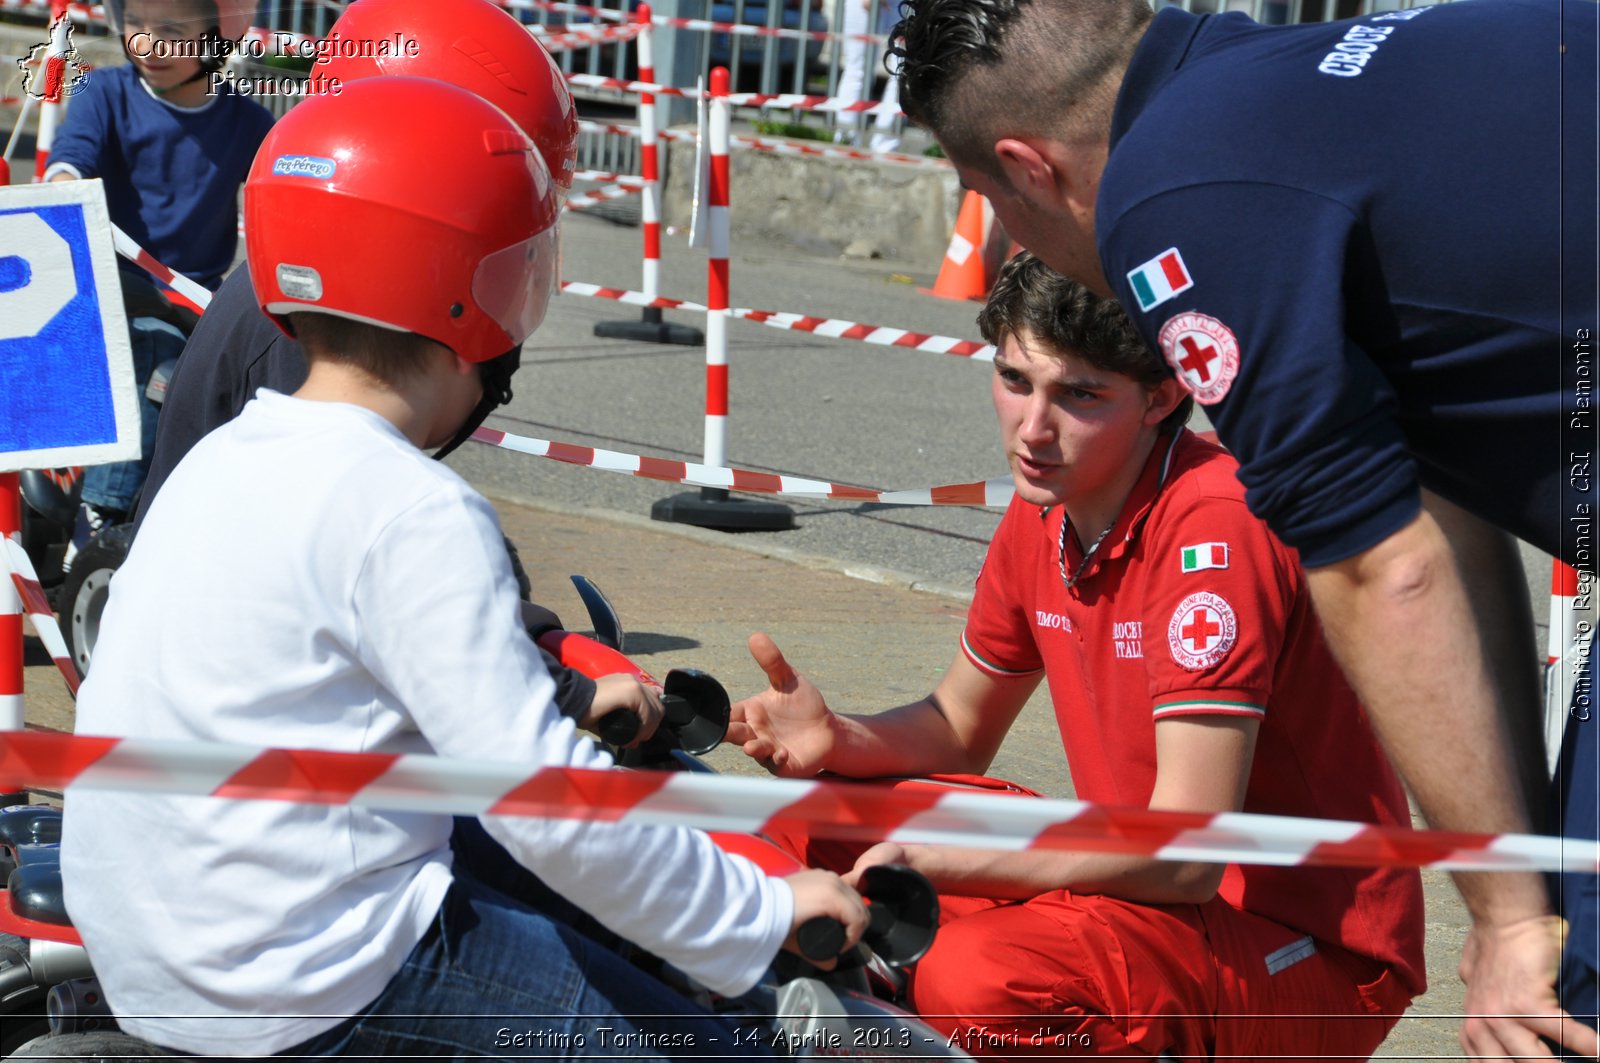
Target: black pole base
{"x":712,"y":508}
{"x":650,"y":329}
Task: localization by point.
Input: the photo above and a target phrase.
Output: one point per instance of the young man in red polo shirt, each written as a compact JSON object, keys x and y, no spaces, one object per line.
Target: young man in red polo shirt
{"x":1187,"y":671}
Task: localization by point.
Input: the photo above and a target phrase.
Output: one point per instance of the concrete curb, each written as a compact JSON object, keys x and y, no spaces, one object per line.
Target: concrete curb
{"x":749,"y":544}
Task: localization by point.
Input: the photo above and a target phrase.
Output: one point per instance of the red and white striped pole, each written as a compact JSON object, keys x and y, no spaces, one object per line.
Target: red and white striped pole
{"x":10,"y":608}
{"x":55,"y":78}
{"x":650,"y":328}
{"x":717,"y":199}
{"x":713,"y":508}
{"x":1563,"y":590}
{"x":1564,"y":585}
{"x":650,"y":203}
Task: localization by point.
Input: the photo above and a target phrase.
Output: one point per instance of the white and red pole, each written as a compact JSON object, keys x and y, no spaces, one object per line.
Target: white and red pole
{"x":650,"y":328}
{"x":11,"y":713}
{"x":55,"y":79}
{"x":1563,"y":590}
{"x":1558,"y":676}
{"x":713,"y":508}
{"x":649,"y":166}
{"x":717,"y":198}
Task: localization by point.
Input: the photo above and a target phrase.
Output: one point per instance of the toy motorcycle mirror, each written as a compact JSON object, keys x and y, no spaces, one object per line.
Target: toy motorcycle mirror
{"x":904,"y":913}
{"x":602,"y":614}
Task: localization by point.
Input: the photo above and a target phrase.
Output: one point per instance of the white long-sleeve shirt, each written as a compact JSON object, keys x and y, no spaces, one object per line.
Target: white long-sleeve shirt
{"x":308,"y":578}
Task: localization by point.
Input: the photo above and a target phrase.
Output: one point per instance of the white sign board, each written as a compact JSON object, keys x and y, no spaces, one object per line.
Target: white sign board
{"x":67,"y":394}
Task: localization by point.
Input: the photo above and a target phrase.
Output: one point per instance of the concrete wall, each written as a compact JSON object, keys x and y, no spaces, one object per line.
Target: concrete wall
{"x":826,"y":206}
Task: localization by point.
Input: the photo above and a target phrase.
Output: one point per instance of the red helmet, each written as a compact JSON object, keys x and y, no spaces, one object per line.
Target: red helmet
{"x":408,"y":203}
{"x":469,"y":43}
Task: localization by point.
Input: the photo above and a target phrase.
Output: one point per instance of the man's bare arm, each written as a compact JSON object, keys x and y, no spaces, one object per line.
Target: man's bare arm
{"x":1405,"y":628}
{"x":958,"y":728}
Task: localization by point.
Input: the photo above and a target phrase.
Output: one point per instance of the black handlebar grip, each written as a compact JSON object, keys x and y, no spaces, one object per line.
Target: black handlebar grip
{"x":820,"y":938}
{"x":618,"y":727}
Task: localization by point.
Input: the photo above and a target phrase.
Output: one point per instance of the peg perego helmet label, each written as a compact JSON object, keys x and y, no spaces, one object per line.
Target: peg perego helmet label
{"x":312,"y":166}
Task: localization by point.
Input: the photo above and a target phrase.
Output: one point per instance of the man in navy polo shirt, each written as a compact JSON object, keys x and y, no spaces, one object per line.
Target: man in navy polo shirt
{"x":1369,"y":250}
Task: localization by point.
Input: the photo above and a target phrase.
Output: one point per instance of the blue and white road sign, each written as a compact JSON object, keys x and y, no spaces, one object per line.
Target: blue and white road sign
{"x":66,"y":372}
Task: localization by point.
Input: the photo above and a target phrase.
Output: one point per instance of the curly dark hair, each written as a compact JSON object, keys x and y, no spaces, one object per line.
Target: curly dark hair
{"x":972,"y":71}
{"x":1030,"y":297}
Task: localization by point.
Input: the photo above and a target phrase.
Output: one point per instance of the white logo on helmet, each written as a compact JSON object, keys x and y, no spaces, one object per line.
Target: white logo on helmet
{"x":304,"y":166}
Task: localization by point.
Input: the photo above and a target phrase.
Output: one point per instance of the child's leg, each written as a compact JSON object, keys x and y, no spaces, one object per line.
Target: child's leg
{"x":496,"y":978}
{"x":113,"y":487}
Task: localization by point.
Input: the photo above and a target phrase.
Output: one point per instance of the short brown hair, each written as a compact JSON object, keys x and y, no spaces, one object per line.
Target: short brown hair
{"x":1030,"y":297}
{"x":387,"y":354}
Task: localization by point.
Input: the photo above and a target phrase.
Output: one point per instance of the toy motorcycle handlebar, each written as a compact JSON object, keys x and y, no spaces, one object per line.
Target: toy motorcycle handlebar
{"x":903,"y":910}
{"x":695,"y":707}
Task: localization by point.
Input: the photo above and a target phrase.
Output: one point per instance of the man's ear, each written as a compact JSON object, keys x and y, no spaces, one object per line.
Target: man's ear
{"x":1052,"y":173}
{"x":1027,"y":167}
{"x":1163,"y":399}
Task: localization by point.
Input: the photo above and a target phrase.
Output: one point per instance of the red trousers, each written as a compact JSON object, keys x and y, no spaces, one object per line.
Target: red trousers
{"x":1067,"y":975}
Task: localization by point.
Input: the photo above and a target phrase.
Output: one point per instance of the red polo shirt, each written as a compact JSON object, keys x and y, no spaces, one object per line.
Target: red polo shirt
{"x":1191,"y":607}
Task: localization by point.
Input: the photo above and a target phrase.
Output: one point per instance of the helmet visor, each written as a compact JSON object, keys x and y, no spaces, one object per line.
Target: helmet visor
{"x":513,"y":285}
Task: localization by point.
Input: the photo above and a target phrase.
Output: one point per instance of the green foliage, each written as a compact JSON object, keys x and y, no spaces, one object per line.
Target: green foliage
{"x":769,"y":127}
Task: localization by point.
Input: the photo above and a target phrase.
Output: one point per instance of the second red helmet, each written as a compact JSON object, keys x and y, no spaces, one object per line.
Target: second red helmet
{"x":469,"y":43}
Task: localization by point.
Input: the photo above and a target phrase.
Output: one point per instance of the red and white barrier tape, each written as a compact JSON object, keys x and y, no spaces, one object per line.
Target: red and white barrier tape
{"x":38,"y":610}
{"x":698,"y":23}
{"x":845,"y":810}
{"x":597,"y":196}
{"x":991,"y":493}
{"x":629,"y":180}
{"x":560,"y":8}
{"x":189,"y":293}
{"x":573,"y":39}
{"x":831,"y":327}
{"x":777,"y":101}
{"x":779,"y":146}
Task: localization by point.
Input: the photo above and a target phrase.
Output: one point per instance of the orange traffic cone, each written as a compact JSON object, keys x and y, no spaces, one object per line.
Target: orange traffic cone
{"x":963,"y":275}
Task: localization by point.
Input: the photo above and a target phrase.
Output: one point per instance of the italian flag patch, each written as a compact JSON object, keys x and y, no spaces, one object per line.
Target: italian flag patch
{"x":1205,"y":555}
{"x":1160,"y":279}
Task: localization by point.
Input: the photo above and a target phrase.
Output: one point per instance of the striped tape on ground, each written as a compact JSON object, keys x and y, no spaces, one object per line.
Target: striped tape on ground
{"x":993,"y":493}
{"x":37,"y":607}
{"x":831,"y":327}
{"x":845,"y":810}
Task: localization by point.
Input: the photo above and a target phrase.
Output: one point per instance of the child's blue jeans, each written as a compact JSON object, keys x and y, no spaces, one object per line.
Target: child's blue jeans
{"x":115,"y":486}
{"x":531,"y":977}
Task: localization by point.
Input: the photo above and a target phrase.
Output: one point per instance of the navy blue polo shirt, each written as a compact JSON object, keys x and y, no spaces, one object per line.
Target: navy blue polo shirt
{"x":1369,"y":248}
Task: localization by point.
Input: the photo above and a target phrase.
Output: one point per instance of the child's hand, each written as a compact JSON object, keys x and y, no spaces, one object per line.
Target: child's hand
{"x":624,"y":692}
{"x":818,"y":892}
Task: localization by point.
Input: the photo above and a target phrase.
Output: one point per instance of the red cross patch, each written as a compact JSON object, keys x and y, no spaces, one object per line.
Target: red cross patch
{"x":1202,"y":631}
{"x":1204,"y":354}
